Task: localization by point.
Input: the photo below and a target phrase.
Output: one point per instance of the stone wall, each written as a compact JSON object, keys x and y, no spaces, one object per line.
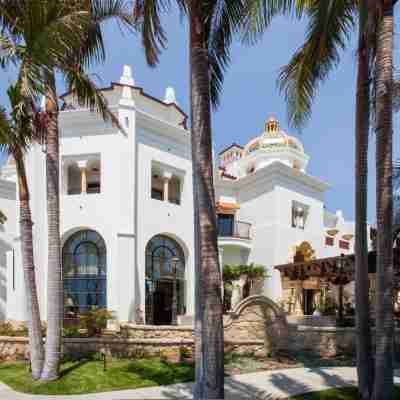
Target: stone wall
{"x":325,"y":341}
{"x":256,"y":325}
{"x":13,"y":348}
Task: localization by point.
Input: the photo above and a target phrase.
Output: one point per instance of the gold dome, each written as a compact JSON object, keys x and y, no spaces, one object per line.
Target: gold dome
{"x":272,"y":127}
{"x":274,"y":137}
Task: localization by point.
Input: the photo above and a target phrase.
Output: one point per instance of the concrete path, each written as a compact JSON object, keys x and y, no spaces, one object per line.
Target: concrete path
{"x":267,"y":385}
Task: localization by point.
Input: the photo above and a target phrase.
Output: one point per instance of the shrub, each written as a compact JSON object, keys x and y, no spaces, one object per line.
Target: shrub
{"x":328,"y":307}
{"x":253,"y":272}
{"x":95,"y":321}
{"x":7,"y":329}
{"x":185,"y":353}
{"x":73,"y":332}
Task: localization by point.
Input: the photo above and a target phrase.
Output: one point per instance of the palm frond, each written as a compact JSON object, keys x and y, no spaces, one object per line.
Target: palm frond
{"x":224,"y":18}
{"x":91,"y":48}
{"x":87,"y":94}
{"x":330,"y":25}
{"x":10,"y":52}
{"x":260,"y":13}
{"x":147,"y":19}
{"x":3,"y":218}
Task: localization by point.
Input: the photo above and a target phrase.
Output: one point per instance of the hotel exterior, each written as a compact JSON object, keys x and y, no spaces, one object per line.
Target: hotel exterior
{"x":127,"y":211}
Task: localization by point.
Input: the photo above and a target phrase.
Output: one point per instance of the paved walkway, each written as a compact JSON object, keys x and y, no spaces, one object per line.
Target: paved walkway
{"x":267,"y":385}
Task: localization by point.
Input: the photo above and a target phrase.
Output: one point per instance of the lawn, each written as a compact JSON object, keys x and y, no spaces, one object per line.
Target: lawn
{"x":335,"y":394}
{"x":88,"y":376}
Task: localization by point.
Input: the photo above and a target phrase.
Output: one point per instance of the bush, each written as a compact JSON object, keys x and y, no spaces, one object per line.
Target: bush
{"x":95,"y":321}
{"x":73,"y":332}
{"x":253,"y":272}
{"x":185,"y":353}
{"x":329,"y":307}
{"x":7,"y":329}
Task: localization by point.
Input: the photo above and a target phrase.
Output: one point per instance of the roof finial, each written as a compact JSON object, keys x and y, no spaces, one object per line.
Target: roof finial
{"x":170,"y":97}
{"x":272,"y":126}
{"x":127,"y":78}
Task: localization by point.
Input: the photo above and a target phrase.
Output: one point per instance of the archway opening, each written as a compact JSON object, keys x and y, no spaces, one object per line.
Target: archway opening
{"x":84,"y":273}
{"x":165,"y":281}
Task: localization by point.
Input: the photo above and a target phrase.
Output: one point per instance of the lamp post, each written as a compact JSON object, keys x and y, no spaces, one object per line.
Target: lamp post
{"x":150,"y":316}
{"x":174,"y":264}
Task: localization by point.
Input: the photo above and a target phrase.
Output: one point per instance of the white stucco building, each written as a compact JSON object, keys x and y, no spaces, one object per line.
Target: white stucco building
{"x":127,"y":209}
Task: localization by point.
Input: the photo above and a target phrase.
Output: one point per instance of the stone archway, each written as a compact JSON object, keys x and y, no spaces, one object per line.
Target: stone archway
{"x":258,"y":318}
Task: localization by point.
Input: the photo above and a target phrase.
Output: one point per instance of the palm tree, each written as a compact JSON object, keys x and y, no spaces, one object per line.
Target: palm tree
{"x":16,"y":136}
{"x":365,"y":367}
{"x":65,"y":37}
{"x":211,"y":28}
{"x":330,"y":26}
{"x":91,"y":49}
{"x":383,"y":385}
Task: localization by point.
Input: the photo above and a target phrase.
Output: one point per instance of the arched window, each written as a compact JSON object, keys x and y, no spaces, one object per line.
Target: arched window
{"x":85,"y":273}
{"x":165,"y":274}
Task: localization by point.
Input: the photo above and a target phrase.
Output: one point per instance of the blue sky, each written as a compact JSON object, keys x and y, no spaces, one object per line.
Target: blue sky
{"x":250,"y":95}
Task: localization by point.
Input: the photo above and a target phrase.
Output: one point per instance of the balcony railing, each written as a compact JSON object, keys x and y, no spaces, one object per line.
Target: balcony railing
{"x":237,"y":229}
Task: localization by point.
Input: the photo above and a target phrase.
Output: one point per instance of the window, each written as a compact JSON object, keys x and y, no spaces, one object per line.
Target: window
{"x":157,"y":186}
{"x":84,"y":271}
{"x":175,"y":190}
{"x":74,"y":179}
{"x":156,"y":194}
{"x":165,"y":280}
{"x":300,"y":213}
{"x":226,"y":224}
{"x":329,"y":241}
{"x":93,"y":176}
{"x":344,"y":245}
{"x":165,"y":186}
{"x":83,"y":176}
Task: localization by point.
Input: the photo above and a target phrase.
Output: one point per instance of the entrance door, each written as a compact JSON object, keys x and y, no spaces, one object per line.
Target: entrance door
{"x":163,"y":303}
{"x":165,"y":263}
{"x":308,"y":304}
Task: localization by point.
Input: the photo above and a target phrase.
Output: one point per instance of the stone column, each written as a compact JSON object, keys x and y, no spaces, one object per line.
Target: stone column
{"x":166,"y":178}
{"x":82,"y":165}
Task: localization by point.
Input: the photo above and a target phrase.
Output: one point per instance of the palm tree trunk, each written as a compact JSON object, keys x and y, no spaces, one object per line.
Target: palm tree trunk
{"x":208,"y":323}
{"x":364,"y":343}
{"x":383,"y":386}
{"x":54,"y":270}
{"x":32,"y":303}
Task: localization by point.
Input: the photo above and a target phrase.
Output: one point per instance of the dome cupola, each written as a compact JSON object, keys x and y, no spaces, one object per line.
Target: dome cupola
{"x":273,"y":145}
{"x":272,"y":127}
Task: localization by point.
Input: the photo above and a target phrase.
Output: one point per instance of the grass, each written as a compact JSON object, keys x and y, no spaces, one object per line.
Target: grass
{"x":336,"y":394}
{"x":88,"y":376}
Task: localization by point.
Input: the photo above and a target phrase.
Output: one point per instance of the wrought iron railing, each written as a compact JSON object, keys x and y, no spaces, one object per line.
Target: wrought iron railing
{"x":237,"y":229}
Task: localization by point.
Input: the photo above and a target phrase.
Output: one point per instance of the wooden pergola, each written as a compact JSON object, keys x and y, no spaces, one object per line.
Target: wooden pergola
{"x":339,"y":270}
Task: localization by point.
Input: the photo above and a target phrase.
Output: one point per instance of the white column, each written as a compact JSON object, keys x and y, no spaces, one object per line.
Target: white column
{"x":64,"y":177}
{"x":166,"y":178}
{"x":82,"y":165}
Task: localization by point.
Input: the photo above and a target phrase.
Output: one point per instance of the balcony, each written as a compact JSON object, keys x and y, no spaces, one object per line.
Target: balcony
{"x":236,"y":229}
{"x":233,"y":233}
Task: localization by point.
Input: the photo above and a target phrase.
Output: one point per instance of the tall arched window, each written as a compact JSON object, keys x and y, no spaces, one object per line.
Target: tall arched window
{"x":165,"y":280}
{"x":85,"y":273}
